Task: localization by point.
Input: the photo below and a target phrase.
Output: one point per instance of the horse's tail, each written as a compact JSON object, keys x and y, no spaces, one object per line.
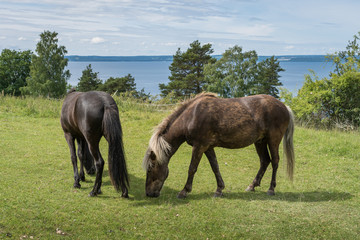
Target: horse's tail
{"x":116,"y":157}
{"x":289,"y":146}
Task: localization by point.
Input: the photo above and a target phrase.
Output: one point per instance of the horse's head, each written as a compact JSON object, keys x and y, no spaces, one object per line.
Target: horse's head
{"x":156,"y":173}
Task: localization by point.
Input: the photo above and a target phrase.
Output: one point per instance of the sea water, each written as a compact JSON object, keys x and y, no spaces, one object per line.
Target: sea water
{"x":149,"y":74}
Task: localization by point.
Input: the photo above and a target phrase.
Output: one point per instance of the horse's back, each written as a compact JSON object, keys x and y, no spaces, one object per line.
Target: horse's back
{"x":90,"y":108}
{"x":235,"y":122}
{"x":261,"y":111}
{"x":83,"y":112}
{"x":267,"y":110}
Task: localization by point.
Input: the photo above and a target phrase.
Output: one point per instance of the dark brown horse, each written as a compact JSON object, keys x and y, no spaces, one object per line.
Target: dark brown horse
{"x":206,"y":122}
{"x":87,"y":117}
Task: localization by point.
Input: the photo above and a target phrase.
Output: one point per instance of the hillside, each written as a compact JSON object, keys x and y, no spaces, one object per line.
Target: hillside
{"x":38,"y":200}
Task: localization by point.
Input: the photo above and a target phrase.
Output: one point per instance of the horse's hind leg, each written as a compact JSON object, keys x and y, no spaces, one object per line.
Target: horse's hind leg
{"x":71,"y":142}
{"x":262,"y":151}
{"x":210,"y":154}
{"x":99,"y":163}
{"x":82,"y":158}
{"x":88,"y":160}
{"x":274,"y":151}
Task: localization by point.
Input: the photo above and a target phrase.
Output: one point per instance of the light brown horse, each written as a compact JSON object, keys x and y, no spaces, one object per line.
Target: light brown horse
{"x":206,"y":122}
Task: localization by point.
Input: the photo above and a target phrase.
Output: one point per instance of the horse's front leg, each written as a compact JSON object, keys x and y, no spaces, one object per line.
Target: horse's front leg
{"x":71,"y":142}
{"x":195,"y":160}
{"x":210,"y":154}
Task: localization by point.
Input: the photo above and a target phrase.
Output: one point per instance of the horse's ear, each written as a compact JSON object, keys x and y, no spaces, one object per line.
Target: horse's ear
{"x":152,"y":156}
{"x":71,"y":90}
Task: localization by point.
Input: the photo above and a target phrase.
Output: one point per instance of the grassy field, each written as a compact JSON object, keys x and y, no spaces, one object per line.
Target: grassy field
{"x":37,"y":200}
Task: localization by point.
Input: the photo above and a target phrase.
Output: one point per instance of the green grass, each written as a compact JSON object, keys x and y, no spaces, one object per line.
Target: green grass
{"x":37,"y":199}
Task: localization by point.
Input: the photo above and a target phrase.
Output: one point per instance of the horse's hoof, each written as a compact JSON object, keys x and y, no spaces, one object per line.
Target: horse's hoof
{"x":92,"y":194}
{"x":218,"y":194}
{"x":271,"y":192}
{"x":181,"y":195}
{"x":82,"y":178}
{"x":125,"y":195}
{"x":77,"y":185}
{"x":250,"y":189}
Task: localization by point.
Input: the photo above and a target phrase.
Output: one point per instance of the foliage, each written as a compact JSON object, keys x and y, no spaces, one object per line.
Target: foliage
{"x":119,"y":84}
{"x":329,"y":101}
{"x":310,"y":104}
{"x":347,"y":60}
{"x":286,"y":96}
{"x":187,"y":69}
{"x":48,"y":76}
{"x":346,"y":97}
{"x":233,"y":75}
{"x":124,"y":84}
{"x":38,"y":200}
{"x":267,"y":80}
{"x":333,"y":101}
{"x":89,"y":80}
{"x":14,"y":69}
{"x":238,"y":74}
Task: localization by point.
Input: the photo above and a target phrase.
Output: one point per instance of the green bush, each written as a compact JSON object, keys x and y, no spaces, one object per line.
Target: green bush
{"x":329,"y":102}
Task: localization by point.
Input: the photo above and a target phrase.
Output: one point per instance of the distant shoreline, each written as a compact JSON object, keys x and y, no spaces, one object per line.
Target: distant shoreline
{"x":281,"y":58}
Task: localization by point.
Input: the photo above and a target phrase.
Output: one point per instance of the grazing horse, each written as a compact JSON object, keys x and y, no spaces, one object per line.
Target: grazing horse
{"x":206,"y":122}
{"x":86,"y":117}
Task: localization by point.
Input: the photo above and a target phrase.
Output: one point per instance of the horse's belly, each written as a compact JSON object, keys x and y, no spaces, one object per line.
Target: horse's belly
{"x":235,"y":144}
{"x":238,"y":139}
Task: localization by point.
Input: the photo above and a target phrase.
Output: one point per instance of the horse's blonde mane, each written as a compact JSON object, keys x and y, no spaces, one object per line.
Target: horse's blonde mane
{"x":157,"y":143}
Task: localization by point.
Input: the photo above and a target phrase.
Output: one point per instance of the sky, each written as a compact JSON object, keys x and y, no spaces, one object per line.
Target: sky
{"x":160,"y":27}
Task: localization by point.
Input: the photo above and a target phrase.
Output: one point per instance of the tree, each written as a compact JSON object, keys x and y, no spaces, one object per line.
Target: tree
{"x":48,"y":76}
{"x":329,"y":101}
{"x":347,"y":60}
{"x":311,"y":105}
{"x":345,"y":90}
{"x":89,"y":80}
{"x":268,"y":76}
{"x":14,"y":69}
{"x":238,"y":74}
{"x":123,"y":84}
{"x":187,"y":70}
{"x":233,"y":74}
{"x":333,"y":100}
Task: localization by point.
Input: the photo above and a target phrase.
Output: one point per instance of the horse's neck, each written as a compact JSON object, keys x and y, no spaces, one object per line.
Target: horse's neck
{"x":175,"y":137}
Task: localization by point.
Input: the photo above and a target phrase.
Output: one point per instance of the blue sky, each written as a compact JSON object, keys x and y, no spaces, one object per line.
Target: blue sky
{"x":160,"y":27}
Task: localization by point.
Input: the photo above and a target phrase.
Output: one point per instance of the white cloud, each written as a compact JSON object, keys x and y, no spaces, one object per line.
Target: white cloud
{"x":96,"y":40}
{"x":123,"y":25}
